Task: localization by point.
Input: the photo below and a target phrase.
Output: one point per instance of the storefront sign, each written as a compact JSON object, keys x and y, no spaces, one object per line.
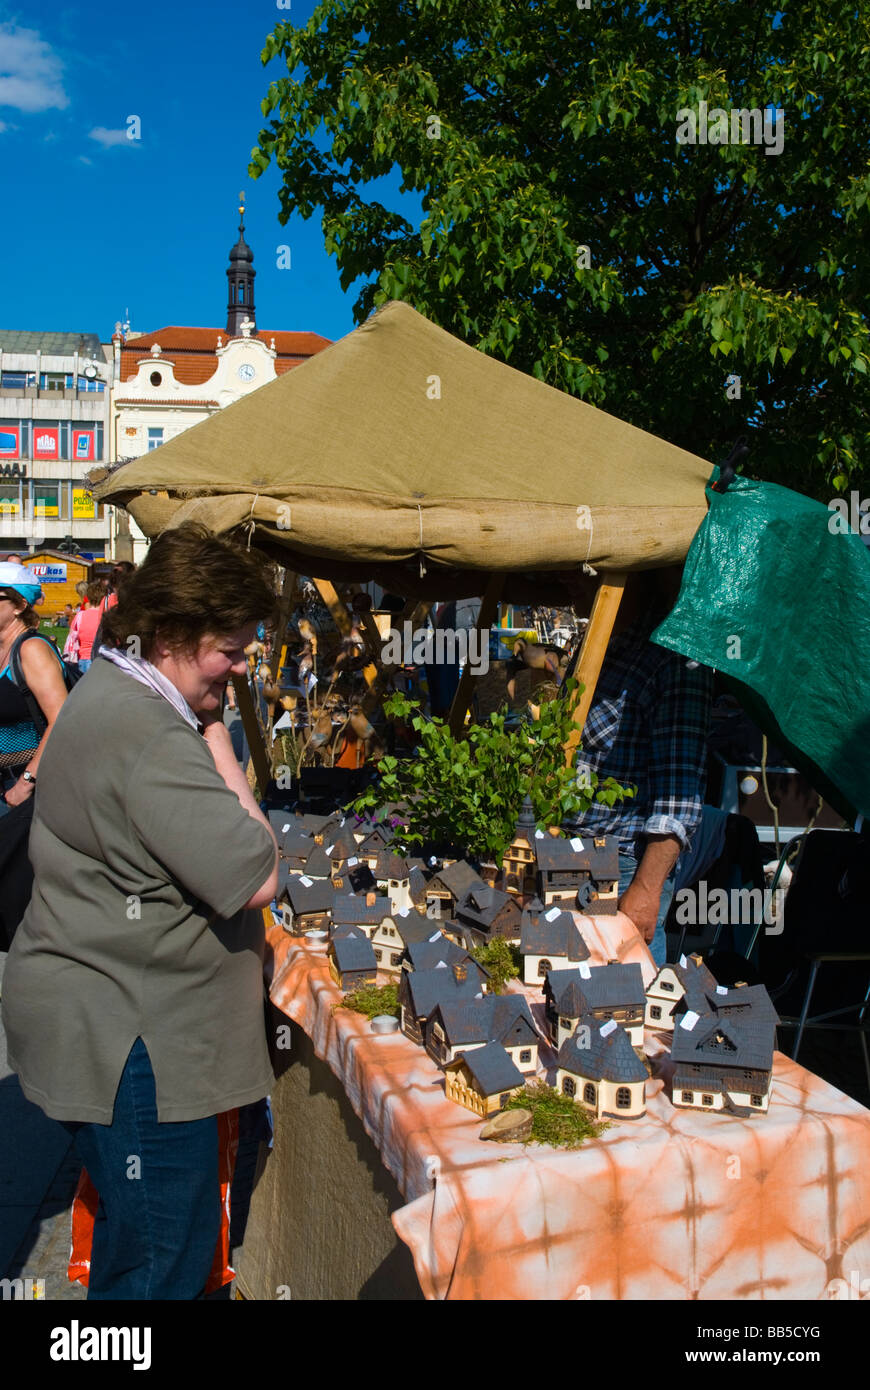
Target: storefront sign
{"x":83,"y":505}
{"x":46,"y":444}
{"x":83,"y":445}
{"x":49,"y":574}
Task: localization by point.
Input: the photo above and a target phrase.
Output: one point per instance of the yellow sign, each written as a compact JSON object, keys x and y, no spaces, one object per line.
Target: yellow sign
{"x":45,"y":508}
{"x":83,"y":505}
{"x":8,"y":507}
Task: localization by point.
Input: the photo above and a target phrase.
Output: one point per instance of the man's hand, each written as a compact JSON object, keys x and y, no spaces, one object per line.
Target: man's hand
{"x":642,"y":906}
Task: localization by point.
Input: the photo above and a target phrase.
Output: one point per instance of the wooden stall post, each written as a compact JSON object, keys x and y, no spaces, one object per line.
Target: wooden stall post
{"x":253,"y":732}
{"x":341,"y":618}
{"x":415,"y":613}
{"x":485,"y":619}
{"x":592,"y":652}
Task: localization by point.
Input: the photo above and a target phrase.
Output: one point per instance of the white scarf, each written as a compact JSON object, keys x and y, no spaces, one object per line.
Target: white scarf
{"x":142,"y":671}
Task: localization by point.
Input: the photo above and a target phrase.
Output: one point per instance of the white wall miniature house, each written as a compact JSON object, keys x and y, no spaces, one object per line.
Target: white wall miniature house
{"x":483,"y":1080}
{"x":600,"y":1070}
{"x":670,"y":986}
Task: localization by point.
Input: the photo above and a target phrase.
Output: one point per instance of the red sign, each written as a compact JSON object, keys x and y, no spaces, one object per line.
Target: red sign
{"x":46,"y":444}
{"x":9,"y":441}
{"x":83,"y":445}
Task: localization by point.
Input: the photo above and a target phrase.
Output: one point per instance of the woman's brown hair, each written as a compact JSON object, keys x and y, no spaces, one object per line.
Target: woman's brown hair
{"x":191,"y":583}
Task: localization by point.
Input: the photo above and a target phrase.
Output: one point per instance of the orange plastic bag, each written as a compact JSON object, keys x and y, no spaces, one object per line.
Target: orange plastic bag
{"x":87,"y":1200}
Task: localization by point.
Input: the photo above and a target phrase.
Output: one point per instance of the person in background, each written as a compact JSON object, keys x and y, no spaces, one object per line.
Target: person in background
{"x":84,"y":627}
{"x":647,"y":727}
{"x":21,"y":742}
{"x":133,"y":993}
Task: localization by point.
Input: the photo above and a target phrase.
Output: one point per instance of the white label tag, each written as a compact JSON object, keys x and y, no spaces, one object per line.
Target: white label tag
{"x":683,"y":962}
{"x":553,"y":914}
{"x":585,"y":972}
{"x":329,"y":849}
{"x":403,"y":912}
{"x":306,"y":880}
{"x":720,"y":989}
{"x":539,"y":835}
{"x":689,"y":1019}
{"x":285,"y":828}
{"x":577,"y":845}
{"x":608,"y":1027}
{"x":436,"y":937}
{"x":351,"y":862}
{"x":442,"y":965}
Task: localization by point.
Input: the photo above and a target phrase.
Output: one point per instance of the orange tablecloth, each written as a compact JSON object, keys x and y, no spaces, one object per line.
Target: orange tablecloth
{"x":677,"y":1205}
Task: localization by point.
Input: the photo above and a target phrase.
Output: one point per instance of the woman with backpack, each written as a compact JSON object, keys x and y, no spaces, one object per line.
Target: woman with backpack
{"x":22,"y":738}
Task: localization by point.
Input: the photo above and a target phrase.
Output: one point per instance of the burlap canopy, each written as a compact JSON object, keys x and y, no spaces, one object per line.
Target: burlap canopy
{"x":400,"y":454}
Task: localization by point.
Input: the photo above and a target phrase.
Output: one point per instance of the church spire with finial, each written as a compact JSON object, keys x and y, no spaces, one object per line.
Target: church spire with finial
{"x":240,"y":277}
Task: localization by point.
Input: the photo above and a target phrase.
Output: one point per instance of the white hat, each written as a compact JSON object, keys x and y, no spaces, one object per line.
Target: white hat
{"x":19,"y":578}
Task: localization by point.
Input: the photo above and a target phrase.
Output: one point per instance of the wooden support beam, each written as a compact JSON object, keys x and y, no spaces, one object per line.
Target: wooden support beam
{"x":415,"y":613}
{"x":342,"y":619}
{"x":253,"y":732}
{"x":592,"y":652}
{"x":485,"y":620}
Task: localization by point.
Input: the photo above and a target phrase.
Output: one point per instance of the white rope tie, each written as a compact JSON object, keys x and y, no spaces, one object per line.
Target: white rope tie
{"x":250,"y":523}
{"x":587,"y":568}
{"x":422,"y":552}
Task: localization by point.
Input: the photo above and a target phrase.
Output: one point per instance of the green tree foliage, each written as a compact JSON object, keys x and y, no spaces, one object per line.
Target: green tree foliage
{"x":501,"y":959}
{"x":468,"y":791}
{"x":533,"y":128}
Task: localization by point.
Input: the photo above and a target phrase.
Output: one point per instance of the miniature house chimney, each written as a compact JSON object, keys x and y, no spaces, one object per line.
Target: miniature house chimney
{"x":696,"y":959}
{"x":370,"y":898}
{"x":613,"y":962}
{"x":460,"y":973}
{"x":740,"y":984}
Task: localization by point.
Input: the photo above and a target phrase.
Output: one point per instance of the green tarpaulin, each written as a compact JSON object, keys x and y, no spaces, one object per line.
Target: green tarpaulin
{"x":776,"y":597}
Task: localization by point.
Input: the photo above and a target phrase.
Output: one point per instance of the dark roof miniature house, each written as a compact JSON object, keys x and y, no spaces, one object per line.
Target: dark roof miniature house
{"x":433,"y":949}
{"x":581,"y":871}
{"x":486,"y":913}
{"x":723,"y":1057}
{"x":612,"y":991}
{"x":418,"y":886}
{"x":456,"y":1024}
{"x":367,"y":911}
{"x":392,"y":937}
{"x":450,"y":885}
{"x":318,"y":864}
{"x":482,"y":1080}
{"x":306,"y":903}
{"x":360,"y":877}
{"x":519,"y":863}
{"x":351,"y":959}
{"x":598,"y":1067}
{"x":690,"y":977}
{"x":420,"y":991}
{"x":549,"y":940}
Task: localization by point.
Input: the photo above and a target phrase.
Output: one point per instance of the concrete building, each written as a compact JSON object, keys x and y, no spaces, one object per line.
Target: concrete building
{"x":54,"y":426}
{"x":178,"y":376}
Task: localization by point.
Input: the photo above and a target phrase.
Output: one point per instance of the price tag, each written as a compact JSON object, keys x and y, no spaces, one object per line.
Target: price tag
{"x":351,"y":862}
{"x":585,"y":972}
{"x":436,"y":937}
{"x":539,"y":835}
{"x":403,"y":912}
{"x":553,"y":914}
{"x":329,"y":849}
{"x":683,"y":962}
{"x":577,"y":845}
{"x":608,"y":1027}
{"x":285,"y":828}
{"x":720,"y":989}
{"x":306,"y":880}
{"x":689,"y":1019}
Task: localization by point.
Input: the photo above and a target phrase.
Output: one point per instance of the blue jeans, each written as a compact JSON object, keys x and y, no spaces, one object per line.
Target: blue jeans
{"x":85,"y":665}
{"x":158,"y":1221}
{"x":658,"y":947}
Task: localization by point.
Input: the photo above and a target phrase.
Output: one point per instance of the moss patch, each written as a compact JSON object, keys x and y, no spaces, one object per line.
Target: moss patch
{"x":502,"y":960}
{"x":556,"y":1119}
{"x":372,"y":1000}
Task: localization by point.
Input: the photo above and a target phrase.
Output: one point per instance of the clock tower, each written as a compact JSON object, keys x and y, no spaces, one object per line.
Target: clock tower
{"x":240,"y":277}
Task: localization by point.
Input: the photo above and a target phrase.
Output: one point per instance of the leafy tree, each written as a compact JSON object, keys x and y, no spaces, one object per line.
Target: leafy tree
{"x":531,"y":129}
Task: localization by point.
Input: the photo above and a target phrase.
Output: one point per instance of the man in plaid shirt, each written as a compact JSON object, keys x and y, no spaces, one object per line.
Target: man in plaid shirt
{"x":647,"y":727}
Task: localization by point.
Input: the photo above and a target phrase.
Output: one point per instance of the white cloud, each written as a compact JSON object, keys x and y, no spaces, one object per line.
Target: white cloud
{"x":31,"y":73}
{"x":83,"y":159}
{"x":107,"y":138}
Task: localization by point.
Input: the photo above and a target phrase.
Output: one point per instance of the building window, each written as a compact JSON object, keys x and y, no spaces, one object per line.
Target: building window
{"x":377,"y":954}
{"x":565,"y":1023}
{"x":241,"y":293}
{"x":55,"y":381}
{"x":45,"y":499}
{"x":687,"y":1097}
{"x":91,"y":384}
{"x":666,"y":984}
{"x":757,"y":1100}
{"x":155,"y":438}
{"x":543,"y":966}
{"x":18,"y":381}
{"x":568,"y":1087}
{"x":395,"y":957}
{"x":504,"y":1098}
{"x":623,"y":1098}
{"x":526,"y":1054}
{"x":706,"y":1100}
{"x":655,"y":1011}
{"x":589,"y":1093}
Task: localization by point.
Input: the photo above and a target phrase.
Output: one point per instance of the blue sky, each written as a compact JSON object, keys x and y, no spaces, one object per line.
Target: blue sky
{"x":96,"y":224}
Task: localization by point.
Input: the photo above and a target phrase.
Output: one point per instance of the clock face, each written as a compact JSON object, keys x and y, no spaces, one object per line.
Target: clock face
{"x":246,"y":372}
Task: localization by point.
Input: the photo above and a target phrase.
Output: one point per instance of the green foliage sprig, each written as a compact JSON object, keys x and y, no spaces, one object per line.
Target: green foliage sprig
{"x":372,"y":1000}
{"x":556,"y":1119}
{"x":501,"y":960}
{"x":469,"y":791}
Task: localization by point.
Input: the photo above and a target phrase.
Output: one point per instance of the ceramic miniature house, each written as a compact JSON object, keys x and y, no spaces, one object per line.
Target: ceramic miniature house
{"x":549,"y":940}
{"x":456,"y":1026}
{"x":446,"y":889}
{"x":393,"y":936}
{"x":599,"y":1069}
{"x":672,"y":983}
{"x":432,"y":951}
{"x":306,"y":903}
{"x":351,"y":959}
{"x":519,"y":862}
{"x":482,"y":1080}
{"x":606,"y":992}
{"x":576,"y":872}
{"x":486,"y":913}
{"x":723,"y":1058}
{"x":421,"y":990}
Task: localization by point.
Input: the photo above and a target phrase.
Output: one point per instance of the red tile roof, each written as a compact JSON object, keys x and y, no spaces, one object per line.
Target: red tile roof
{"x":192,"y":350}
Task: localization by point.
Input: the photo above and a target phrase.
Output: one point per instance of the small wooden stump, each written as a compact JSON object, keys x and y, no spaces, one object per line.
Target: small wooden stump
{"x":508,"y":1127}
